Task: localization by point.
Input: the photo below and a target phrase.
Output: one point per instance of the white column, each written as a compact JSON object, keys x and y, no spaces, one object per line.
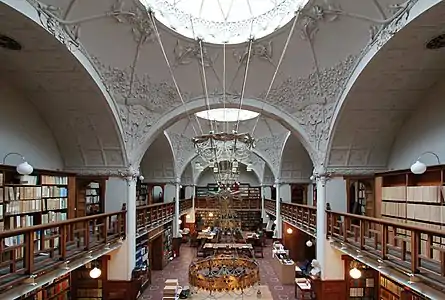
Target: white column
{"x":263,"y":209}
{"x":193,"y":196}
{"x":176,"y":217}
{"x":321,"y":223}
{"x":131,"y":221}
{"x":278,"y":227}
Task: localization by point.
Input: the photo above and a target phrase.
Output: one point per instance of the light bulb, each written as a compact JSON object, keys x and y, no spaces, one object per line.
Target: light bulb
{"x":95,"y":273}
{"x":309,"y":243}
{"x":355,"y":273}
{"x":179,"y":221}
{"x":275,"y":222}
{"x":289,"y":231}
{"x":210,"y":214}
{"x":24,"y":168}
{"x":418,"y":168}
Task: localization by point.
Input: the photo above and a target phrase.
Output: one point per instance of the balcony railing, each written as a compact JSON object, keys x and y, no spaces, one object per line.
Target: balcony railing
{"x":415,"y":249}
{"x":185,"y":205}
{"x":301,"y":216}
{"x":34,"y":250}
{"x":151,"y":216}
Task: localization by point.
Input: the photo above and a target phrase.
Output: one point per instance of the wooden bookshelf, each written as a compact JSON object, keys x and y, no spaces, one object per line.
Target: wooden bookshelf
{"x":249,"y":219}
{"x":143,"y":266}
{"x":58,"y":290}
{"x":414,"y":200}
{"x":90,"y":196}
{"x":28,"y":200}
{"x":142,"y":193}
{"x":83,"y":287}
{"x":390,"y":290}
{"x":363,"y":288}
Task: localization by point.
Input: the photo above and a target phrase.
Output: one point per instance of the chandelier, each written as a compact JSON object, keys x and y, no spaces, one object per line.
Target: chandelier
{"x":222,"y":152}
{"x":225,"y":272}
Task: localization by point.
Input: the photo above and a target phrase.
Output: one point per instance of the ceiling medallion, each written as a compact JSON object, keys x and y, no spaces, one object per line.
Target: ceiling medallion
{"x":9,"y":43}
{"x":437,"y":42}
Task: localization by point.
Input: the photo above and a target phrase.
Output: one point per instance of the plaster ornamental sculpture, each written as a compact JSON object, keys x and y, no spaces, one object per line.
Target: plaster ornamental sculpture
{"x":316,"y":268}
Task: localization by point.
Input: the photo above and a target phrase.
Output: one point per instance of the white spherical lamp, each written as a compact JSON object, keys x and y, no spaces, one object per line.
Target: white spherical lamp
{"x":24,"y":168}
{"x":95,"y":273}
{"x":289,"y":231}
{"x":355,"y":273}
{"x":275,"y":222}
{"x":309,"y":243}
{"x":179,"y":221}
{"x":418,"y":168}
{"x":312,"y":178}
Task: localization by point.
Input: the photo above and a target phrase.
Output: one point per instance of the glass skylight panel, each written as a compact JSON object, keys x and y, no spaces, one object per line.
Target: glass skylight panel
{"x":227,"y":114}
{"x":224,"y":21}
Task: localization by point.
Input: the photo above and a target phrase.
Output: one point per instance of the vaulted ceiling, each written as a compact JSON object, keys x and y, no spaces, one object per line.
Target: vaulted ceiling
{"x":118,"y":85}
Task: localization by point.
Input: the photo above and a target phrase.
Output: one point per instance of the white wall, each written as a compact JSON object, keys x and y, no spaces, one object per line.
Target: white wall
{"x":285,"y":192}
{"x":189,"y":192}
{"x":310,"y":194}
{"x":23,"y":130}
{"x":115,"y":194}
{"x":169,"y":192}
{"x":424,"y":131}
{"x":157,"y":165}
{"x":336,"y":194}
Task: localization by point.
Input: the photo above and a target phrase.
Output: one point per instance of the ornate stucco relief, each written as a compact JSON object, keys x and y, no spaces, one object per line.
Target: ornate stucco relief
{"x":271,"y":148}
{"x":311,"y":100}
{"x":183,"y":150}
{"x":139,"y":107}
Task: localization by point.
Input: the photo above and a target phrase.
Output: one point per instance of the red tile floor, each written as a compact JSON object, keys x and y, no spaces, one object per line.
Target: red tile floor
{"x":178,"y":268}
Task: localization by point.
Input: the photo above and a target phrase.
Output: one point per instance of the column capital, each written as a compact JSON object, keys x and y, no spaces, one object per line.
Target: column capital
{"x":277,"y":181}
{"x":178,"y":180}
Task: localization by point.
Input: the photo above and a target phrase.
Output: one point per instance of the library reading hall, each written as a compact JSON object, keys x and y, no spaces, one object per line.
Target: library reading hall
{"x":222,"y":149}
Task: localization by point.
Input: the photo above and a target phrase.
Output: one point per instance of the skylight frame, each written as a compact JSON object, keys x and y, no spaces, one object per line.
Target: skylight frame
{"x":238,"y":30}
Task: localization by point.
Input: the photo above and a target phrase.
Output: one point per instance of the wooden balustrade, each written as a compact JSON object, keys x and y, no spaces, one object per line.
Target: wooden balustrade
{"x":418,"y":250}
{"x":34,"y":250}
{"x":298,"y":215}
{"x":269,"y":206}
{"x":153,"y":215}
{"x":184,"y":205}
{"x":301,"y":216}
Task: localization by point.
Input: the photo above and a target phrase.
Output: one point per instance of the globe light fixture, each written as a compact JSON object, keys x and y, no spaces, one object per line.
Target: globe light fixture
{"x":419,"y":167}
{"x":179,"y":221}
{"x":210,"y":214}
{"x":309,"y":243}
{"x":289,"y":231}
{"x":355,"y":273}
{"x":95,"y":273}
{"x":23,"y":168}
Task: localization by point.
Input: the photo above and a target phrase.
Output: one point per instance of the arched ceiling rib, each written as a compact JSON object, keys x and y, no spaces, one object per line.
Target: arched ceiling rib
{"x":63,"y":91}
{"x":305,"y":90}
{"x":386,"y":93}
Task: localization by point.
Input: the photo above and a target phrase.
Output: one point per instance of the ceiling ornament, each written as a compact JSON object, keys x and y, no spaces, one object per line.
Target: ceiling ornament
{"x":131,"y":171}
{"x":67,"y":31}
{"x":311,"y":100}
{"x":271,"y":147}
{"x":146,"y":104}
{"x":182,"y":148}
{"x":344,"y":171}
{"x":263,"y":51}
{"x":187,"y":53}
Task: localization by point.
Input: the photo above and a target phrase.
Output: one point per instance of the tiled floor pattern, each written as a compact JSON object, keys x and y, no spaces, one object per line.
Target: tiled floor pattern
{"x":178,"y":268}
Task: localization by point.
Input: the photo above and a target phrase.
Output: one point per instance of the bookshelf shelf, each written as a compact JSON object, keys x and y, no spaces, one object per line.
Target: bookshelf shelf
{"x":141,"y":193}
{"x":86,"y":288}
{"x":58,"y":290}
{"x":143,"y":266}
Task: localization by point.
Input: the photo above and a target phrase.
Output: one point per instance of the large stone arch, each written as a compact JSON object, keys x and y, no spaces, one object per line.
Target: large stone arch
{"x":199,"y":104}
{"x":75,"y":104}
{"x":381,"y":68}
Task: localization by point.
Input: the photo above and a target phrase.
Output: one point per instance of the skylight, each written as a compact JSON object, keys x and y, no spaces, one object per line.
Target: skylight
{"x":227,"y":114}
{"x":224,"y":21}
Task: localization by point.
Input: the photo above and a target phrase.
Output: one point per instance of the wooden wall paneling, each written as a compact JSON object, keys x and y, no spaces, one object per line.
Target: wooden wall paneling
{"x":330,"y":289}
{"x":71,"y":197}
{"x":378,"y":196}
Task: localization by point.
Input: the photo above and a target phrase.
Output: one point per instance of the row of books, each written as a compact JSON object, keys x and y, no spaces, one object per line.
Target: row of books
{"x":32,"y":206}
{"x":14,"y":193}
